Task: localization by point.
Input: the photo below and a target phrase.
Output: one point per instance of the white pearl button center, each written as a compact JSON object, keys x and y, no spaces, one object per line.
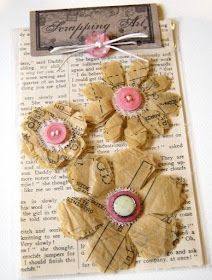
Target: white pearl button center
{"x":124,"y":205}
{"x":129,"y":98}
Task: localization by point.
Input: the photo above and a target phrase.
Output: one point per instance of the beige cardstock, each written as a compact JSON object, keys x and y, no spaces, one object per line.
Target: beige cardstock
{"x":43,"y":189}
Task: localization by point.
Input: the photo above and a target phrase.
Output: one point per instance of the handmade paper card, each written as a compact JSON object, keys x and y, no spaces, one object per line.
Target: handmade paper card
{"x":106,"y":170}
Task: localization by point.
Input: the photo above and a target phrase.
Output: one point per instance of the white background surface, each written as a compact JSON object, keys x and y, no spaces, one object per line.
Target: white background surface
{"x":195,"y":32}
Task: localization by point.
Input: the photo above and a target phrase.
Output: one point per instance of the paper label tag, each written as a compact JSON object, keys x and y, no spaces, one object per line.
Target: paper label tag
{"x":52,"y":28}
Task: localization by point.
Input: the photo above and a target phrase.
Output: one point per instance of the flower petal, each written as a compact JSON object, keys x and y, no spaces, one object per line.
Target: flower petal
{"x":79,"y":174}
{"x":152,"y":237}
{"x":79,"y":217}
{"x":132,"y":168}
{"x":113,"y":74}
{"x":135,"y":133}
{"x":44,"y":157}
{"x":113,"y":129}
{"x":94,"y":91}
{"x":97,"y":111}
{"x":73,"y":117}
{"x":34,"y":120}
{"x":137,"y":73}
{"x":92,"y":175}
{"x":156,"y":84}
{"x":155,"y":121}
{"x":166,"y":102}
{"x":163,"y":195}
{"x":111,"y":249}
{"x":73,"y":149}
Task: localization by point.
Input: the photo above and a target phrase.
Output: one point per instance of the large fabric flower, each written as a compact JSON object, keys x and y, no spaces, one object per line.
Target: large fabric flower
{"x":53,"y":135}
{"x":122,"y":210}
{"x":130,"y":103}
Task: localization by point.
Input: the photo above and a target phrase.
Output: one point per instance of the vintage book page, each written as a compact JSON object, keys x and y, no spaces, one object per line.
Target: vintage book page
{"x":44,"y":250}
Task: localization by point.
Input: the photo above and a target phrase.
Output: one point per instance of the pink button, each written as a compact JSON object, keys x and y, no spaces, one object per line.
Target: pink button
{"x":99,"y":38}
{"x":129,"y":99}
{"x":123,"y":219}
{"x":55,"y":133}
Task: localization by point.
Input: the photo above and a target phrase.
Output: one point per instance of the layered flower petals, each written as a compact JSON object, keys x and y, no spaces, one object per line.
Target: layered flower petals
{"x":113,"y":74}
{"x":137,"y":73}
{"x":132,"y":168}
{"x":113,"y":129}
{"x":156,"y":84}
{"x":111,"y":249}
{"x":140,"y":100}
{"x":65,"y":119}
{"x":152,"y":237}
{"x":98,"y":111}
{"x":79,"y":217}
{"x":94,"y":91}
{"x":135,"y":133}
{"x":163,"y":195}
{"x":166,"y":102}
{"x":125,"y":209}
{"x":92,"y":175}
{"x":155,"y":121}
{"x":51,"y":159}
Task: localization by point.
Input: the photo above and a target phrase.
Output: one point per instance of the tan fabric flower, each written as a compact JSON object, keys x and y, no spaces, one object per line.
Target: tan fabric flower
{"x":53,"y":135}
{"x":140,"y":227}
{"x":130,"y":103}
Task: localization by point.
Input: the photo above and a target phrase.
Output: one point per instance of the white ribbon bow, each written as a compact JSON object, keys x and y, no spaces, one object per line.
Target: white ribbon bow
{"x":111,"y":44}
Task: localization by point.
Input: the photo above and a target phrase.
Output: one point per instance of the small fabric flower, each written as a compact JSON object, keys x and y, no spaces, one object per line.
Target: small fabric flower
{"x":130,"y":103}
{"x":123,"y":209}
{"x":52,"y":135}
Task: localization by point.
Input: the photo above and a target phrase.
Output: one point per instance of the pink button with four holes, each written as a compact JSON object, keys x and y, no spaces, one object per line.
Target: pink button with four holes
{"x":55,"y":133}
{"x":129,"y":99}
{"x":98,"y":39}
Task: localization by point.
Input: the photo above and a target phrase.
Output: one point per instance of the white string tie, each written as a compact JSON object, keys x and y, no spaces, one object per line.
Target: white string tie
{"x":111,"y":44}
